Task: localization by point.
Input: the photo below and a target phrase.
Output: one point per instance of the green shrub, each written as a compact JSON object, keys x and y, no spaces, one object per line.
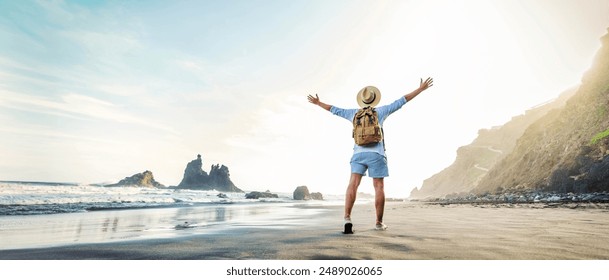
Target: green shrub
{"x":599,"y":136}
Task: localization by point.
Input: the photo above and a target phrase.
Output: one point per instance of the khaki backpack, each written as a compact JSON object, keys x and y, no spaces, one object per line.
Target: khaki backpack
{"x":366,"y":127}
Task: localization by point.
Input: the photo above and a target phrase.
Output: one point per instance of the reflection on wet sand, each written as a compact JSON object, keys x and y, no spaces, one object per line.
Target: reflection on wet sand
{"x":105,"y":226}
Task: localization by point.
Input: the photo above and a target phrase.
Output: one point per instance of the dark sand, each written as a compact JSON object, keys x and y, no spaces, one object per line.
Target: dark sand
{"x":416,"y":231}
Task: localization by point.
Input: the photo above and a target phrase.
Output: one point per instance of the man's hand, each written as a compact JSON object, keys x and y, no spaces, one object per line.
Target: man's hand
{"x":314,"y":100}
{"x":425,"y":85}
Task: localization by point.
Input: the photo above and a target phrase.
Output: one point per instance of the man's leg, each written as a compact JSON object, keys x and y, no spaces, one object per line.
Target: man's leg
{"x":379,"y":198}
{"x":351,"y":194}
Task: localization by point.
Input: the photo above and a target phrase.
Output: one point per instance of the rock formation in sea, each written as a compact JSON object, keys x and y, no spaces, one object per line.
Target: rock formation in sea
{"x":560,"y":147}
{"x":257,"y":195}
{"x":317,"y":196}
{"x":144,"y":179}
{"x":217,"y":179}
{"x":302,"y":193}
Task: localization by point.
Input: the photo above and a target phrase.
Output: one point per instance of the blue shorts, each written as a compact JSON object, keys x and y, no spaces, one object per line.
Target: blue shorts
{"x":375,"y":163}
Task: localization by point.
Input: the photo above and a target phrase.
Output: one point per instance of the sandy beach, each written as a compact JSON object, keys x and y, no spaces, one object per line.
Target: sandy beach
{"x":417,"y":231}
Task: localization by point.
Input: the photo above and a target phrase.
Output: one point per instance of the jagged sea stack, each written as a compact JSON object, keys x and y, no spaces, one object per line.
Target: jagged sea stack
{"x":196,"y":178}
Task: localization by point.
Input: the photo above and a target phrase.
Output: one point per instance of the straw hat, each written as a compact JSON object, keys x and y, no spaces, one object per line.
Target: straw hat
{"x":368,"y":96}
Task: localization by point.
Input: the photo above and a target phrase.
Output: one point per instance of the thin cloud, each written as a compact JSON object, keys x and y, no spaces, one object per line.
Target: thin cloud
{"x":40,"y":131}
{"x":75,"y":105}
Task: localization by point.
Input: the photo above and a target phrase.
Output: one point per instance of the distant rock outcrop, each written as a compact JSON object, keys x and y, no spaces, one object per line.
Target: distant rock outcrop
{"x":144,"y":179}
{"x":317,"y":196}
{"x":257,"y":195}
{"x":302,"y":193}
{"x":218,"y":178}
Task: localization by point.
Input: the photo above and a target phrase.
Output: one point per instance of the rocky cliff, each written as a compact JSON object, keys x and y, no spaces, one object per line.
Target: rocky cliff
{"x":565,"y":150}
{"x":559,"y":147}
{"x":144,"y":179}
{"x":475,"y":160}
{"x":217,"y":179}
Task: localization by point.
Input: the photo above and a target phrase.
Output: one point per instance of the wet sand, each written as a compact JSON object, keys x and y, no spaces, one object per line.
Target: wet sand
{"x":416,"y":231}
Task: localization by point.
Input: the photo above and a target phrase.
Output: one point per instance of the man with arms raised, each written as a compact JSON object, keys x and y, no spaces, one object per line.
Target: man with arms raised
{"x":369,"y":156}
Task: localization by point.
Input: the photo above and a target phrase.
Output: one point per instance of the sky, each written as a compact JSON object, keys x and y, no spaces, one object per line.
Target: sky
{"x":95,"y":91}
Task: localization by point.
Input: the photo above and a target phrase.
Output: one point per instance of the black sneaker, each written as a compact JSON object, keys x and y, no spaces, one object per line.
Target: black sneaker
{"x":348,"y":228}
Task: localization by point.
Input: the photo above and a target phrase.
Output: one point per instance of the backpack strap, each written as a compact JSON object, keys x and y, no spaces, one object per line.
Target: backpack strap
{"x":383,"y":132}
{"x":360,"y":114}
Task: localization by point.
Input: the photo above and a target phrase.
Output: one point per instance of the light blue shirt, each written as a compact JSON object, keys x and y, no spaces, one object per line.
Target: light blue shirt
{"x":383,"y":112}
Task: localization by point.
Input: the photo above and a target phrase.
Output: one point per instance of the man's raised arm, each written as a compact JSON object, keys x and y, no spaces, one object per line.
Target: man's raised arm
{"x":315,"y":100}
{"x":423,"y":86}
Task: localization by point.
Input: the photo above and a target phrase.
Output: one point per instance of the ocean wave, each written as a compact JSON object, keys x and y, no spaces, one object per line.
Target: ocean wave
{"x":43,"y":198}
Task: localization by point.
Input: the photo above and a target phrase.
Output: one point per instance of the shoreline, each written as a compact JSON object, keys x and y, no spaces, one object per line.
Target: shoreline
{"x":536,"y":205}
{"x":521,"y":197}
{"x":417,"y":231}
